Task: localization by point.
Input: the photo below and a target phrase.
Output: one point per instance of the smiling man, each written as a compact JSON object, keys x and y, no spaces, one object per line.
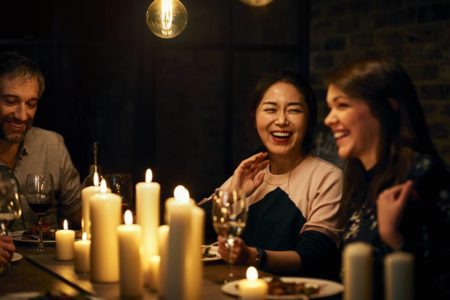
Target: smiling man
{"x":25,"y":149}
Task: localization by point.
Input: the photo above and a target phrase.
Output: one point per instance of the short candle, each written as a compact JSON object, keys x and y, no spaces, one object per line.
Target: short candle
{"x":253,"y":288}
{"x":64,"y":243}
{"x":82,"y":251}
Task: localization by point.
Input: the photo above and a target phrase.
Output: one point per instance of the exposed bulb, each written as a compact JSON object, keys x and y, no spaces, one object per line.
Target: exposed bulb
{"x":256,"y":2}
{"x":166,"y":18}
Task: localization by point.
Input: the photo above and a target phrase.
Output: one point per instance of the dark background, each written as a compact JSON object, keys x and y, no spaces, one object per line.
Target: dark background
{"x":180,"y":106}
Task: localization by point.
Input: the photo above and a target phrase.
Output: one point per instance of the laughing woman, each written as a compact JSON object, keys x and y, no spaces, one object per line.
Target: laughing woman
{"x":294,"y":197}
{"x":396,"y":188}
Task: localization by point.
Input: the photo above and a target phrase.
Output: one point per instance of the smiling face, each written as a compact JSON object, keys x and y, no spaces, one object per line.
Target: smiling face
{"x":355,"y":129}
{"x":281,"y":120}
{"x":18,"y":103}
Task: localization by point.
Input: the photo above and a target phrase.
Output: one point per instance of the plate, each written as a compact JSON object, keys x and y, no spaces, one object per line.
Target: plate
{"x":17,"y":237}
{"x":16,"y":257}
{"x":327,"y":288}
{"x":213,"y":253}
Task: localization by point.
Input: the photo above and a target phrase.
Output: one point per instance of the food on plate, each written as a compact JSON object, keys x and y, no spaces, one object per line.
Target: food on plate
{"x":206,"y":252}
{"x":278,"y":287}
{"x":33,"y":232}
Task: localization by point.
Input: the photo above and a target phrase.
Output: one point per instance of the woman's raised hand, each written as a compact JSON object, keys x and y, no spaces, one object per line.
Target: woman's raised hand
{"x":6,"y":249}
{"x":248,"y":176}
{"x":390,"y":206}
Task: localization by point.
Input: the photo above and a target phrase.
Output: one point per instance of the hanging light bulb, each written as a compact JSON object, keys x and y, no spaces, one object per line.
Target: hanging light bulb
{"x":166,"y":18}
{"x":257,"y":2}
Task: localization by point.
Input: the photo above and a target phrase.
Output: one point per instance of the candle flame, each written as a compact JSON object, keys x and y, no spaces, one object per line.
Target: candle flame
{"x":128,"y":217}
{"x":103,"y":187}
{"x":148,"y":176}
{"x":84,"y":236}
{"x":65,"y":225}
{"x":252,"y":273}
{"x":181,"y":194}
{"x":96,"y":179}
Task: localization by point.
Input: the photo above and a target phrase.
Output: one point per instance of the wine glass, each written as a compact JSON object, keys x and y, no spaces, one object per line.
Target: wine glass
{"x":39,"y":195}
{"x":10,"y":208}
{"x":229,"y":216}
{"x":120,"y":184}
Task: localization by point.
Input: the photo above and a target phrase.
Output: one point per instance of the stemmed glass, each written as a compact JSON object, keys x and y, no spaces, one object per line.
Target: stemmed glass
{"x":39,"y":195}
{"x":10,"y":208}
{"x":120,"y":184}
{"x":229,"y":216}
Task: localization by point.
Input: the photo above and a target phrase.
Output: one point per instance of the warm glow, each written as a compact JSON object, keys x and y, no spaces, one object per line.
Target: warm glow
{"x":252,"y":273}
{"x":148,"y":176}
{"x":84,"y":236}
{"x":181,"y":194}
{"x":96,"y":178}
{"x":103,"y":187}
{"x":65,"y":225}
{"x":128,"y":217}
{"x":166,"y":15}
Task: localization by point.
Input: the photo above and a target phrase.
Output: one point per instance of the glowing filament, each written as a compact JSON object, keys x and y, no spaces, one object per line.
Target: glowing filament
{"x":166,"y":16}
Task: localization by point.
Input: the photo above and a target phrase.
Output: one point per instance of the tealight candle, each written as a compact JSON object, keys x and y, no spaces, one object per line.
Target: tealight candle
{"x":399,"y":276}
{"x":105,"y":210}
{"x":64,"y":243}
{"x":357,"y":271}
{"x":253,"y":288}
{"x":82,"y":249}
{"x":131,"y":280}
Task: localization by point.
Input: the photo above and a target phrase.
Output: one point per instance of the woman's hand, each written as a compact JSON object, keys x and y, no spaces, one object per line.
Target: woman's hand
{"x":390,"y":205}
{"x":7,"y":249}
{"x":248,"y":176}
{"x":240,"y":253}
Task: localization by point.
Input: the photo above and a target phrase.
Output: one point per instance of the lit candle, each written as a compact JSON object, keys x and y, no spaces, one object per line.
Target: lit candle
{"x":64,"y":243}
{"x":105,"y":210}
{"x":131,"y":280}
{"x":357,"y":271}
{"x":252,"y":288}
{"x":163,"y":241}
{"x":82,"y":249}
{"x":399,"y":276}
{"x":179,"y":190}
{"x":147,"y":213}
{"x":86,"y":194}
{"x":155,"y":262}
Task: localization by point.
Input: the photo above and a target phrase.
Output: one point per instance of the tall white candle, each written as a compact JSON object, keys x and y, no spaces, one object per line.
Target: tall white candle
{"x":357,"y":271}
{"x":86,"y":194}
{"x":180,"y":230}
{"x":105,"y":212}
{"x":194,"y":276}
{"x":147,"y":213}
{"x":131,"y":279}
{"x":399,"y":276}
{"x":163,"y":243}
{"x":82,"y":250}
{"x":64,"y":243}
{"x":253,"y":288}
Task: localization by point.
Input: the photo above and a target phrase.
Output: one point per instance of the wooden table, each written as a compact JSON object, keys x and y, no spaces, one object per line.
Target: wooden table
{"x":43,"y":273}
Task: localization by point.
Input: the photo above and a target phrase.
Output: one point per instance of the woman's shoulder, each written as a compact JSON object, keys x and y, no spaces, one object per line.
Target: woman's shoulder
{"x":320,"y":165}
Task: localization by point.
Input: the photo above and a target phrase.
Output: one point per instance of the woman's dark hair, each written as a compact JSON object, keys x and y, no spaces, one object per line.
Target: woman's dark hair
{"x":388,"y":90}
{"x":13,"y":64}
{"x":303,"y":86}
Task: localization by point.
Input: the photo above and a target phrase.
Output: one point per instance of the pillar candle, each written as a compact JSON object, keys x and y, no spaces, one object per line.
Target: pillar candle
{"x":163,"y":241}
{"x":82,"y":250}
{"x":154,"y":264}
{"x":131,"y":280}
{"x":147,"y":213}
{"x":399,"y":276}
{"x":253,"y":288}
{"x":105,"y":211}
{"x":357,"y":271}
{"x":64,"y":243}
{"x":194,"y":268}
{"x":86,"y":194}
{"x":168,"y":205}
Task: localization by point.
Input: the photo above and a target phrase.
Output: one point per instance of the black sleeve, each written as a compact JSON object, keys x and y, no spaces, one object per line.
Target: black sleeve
{"x":320,"y":257}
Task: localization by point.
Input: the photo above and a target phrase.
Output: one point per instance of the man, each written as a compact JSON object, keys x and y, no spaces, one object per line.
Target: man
{"x":25,"y":149}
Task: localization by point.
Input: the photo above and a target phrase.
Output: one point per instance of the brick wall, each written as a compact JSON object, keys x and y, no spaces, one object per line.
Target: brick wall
{"x":415,"y":33}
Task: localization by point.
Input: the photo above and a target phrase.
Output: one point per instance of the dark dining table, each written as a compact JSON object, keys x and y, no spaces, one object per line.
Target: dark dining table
{"x":42,"y":274}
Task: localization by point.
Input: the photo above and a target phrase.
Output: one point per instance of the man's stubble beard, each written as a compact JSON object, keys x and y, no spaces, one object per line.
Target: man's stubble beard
{"x":16,"y":137}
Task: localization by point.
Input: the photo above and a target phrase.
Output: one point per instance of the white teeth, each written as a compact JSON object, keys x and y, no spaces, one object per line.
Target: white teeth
{"x":281,"y":134}
{"x":339,"y":134}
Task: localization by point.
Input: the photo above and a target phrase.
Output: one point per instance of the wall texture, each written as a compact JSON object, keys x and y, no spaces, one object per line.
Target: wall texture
{"x":416,"y":33}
